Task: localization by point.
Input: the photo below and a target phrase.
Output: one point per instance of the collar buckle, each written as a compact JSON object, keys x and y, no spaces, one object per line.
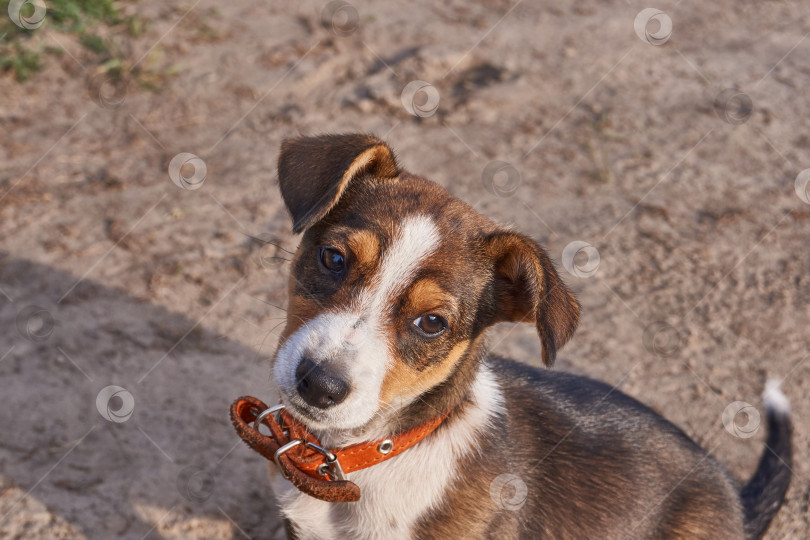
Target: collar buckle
{"x":331,"y":467}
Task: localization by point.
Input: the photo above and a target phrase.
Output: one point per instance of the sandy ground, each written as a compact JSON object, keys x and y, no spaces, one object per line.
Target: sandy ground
{"x":112,"y":275}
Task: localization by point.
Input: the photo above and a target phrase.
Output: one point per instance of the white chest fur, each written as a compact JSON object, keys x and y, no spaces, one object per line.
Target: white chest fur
{"x":397,"y":492}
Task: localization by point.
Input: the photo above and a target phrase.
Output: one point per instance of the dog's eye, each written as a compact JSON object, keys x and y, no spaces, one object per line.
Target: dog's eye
{"x":332,"y":260}
{"x":430,"y":324}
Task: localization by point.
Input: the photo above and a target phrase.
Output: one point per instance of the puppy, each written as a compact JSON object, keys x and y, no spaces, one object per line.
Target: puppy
{"x":391,"y":291}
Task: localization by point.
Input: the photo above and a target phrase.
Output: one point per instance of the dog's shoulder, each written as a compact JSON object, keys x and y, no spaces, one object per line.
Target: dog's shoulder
{"x":572,"y":398}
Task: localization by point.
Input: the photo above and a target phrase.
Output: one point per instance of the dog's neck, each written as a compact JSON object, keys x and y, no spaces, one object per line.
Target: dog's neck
{"x":453,"y":394}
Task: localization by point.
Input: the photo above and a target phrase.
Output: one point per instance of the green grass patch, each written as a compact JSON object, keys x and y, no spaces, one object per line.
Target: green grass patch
{"x":20,"y":54}
{"x":21,"y":61}
{"x":94,"y":43}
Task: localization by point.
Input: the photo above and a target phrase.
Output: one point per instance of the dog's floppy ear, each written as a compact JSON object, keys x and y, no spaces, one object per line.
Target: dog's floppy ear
{"x":527,"y":287}
{"x":313,"y":172}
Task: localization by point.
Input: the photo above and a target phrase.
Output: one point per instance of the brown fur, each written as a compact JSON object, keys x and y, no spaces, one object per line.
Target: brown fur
{"x":588,"y":477}
{"x":310,"y":187}
{"x":365,"y":248}
{"x":404,"y":381}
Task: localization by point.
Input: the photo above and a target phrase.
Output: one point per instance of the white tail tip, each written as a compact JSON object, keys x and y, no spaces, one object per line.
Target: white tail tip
{"x":774,"y":399}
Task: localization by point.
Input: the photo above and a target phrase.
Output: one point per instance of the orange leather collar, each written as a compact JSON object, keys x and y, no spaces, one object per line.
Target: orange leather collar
{"x":317,"y":471}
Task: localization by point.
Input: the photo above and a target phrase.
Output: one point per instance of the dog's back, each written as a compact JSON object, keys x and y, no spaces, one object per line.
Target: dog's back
{"x":583,"y":460}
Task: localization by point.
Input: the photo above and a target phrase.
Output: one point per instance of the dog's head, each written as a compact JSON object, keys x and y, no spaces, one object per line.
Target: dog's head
{"x":394,"y":283}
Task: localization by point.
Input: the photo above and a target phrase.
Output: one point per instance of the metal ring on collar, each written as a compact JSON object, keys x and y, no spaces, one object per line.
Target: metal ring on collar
{"x":324,"y":470}
{"x":332,"y":464}
{"x":264,"y":414}
{"x":330,"y":457}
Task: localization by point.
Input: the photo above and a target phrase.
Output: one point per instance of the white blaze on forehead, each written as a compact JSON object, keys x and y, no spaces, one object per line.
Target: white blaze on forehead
{"x":416,"y":238}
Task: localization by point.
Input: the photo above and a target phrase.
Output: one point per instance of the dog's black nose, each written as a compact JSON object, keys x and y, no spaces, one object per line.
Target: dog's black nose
{"x":318,"y":386}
